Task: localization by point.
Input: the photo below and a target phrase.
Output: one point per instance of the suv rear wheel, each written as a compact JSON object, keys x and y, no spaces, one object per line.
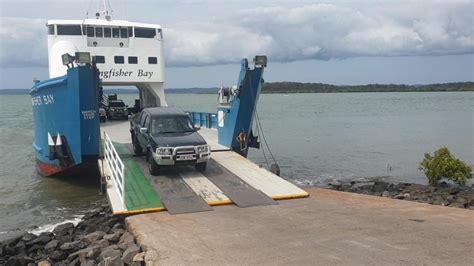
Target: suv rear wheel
{"x":136,"y":147}
{"x":153,"y":167}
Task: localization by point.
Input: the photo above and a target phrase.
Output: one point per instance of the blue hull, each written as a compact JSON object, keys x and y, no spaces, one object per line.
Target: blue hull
{"x":66,"y":121}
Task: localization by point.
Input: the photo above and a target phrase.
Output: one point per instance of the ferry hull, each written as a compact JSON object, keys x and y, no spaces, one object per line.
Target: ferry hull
{"x":66,"y":122}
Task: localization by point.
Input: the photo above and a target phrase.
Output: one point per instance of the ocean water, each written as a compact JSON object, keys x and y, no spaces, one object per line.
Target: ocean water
{"x":314,"y":138}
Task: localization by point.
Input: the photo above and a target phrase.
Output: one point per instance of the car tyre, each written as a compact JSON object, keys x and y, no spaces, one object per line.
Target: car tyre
{"x":201,"y":167}
{"x":153,"y":167}
{"x":136,"y":148}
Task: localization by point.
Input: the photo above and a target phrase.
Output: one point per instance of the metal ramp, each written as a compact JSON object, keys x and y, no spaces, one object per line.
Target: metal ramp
{"x":229,"y":179}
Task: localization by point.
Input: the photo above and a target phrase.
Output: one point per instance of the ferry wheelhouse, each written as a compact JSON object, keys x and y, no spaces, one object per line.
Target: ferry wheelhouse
{"x":126,"y":53}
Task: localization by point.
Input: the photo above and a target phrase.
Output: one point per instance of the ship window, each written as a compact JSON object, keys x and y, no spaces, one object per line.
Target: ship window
{"x":130,"y":32}
{"x":69,"y":30}
{"x":123,"y":32}
{"x":107,"y":32}
{"x":133,"y":60}
{"x":160,"y":33}
{"x":115,"y":32}
{"x":98,"y":32}
{"x":119,"y":59}
{"x":145,"y":33}
{"x":90,"y":31}
{"x":51,"y":29}
{"x":99,"y":59}
{"x":152,"y":60}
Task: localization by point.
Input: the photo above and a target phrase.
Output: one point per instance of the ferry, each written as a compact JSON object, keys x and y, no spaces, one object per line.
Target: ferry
{"x":86,"y":55}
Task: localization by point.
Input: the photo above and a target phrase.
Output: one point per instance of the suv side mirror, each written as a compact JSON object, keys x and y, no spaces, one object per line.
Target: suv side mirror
{"x":197,"y":128}
{"x":143,"y":130}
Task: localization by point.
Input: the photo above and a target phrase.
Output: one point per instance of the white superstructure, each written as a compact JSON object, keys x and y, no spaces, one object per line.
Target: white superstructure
{"x":126,"y":53}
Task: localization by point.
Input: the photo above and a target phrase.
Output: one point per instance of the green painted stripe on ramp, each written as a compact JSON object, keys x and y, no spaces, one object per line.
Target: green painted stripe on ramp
{"x":139,"y":193}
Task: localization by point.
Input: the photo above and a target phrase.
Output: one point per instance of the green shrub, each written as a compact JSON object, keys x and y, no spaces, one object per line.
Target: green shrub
{"x":444,"y":165}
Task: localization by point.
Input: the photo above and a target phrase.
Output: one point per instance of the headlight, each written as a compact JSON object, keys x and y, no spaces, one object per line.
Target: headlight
{"x":164,"y":151}
{"x":203,"y":148}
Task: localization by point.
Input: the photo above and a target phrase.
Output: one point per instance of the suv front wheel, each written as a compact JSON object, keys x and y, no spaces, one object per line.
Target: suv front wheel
{"x":153,"y":167}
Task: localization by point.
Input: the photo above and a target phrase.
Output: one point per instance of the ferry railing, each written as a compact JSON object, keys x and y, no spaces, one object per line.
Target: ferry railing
{"x":115,"y":165}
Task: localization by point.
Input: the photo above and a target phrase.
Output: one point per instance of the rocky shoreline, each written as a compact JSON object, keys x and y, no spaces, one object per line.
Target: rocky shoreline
{"x":444,"y":194}
{"x":99,"y":239}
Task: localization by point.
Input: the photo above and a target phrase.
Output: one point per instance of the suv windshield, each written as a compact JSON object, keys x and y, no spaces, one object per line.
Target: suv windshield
{"x":116,"y":104}
{"x":176,"y":124}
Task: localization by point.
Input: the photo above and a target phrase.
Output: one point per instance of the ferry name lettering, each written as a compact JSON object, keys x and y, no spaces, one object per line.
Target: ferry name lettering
{"x":147,"y":74}
{"x":40,"y":100}
{"x":112,"y":73}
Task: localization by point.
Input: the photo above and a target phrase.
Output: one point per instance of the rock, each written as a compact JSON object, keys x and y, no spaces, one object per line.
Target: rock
{"x":386,"y":194}
{"x":118,"y":225}
{"x":114,"y":237}
{"x":126,"y":238}
{"x":64,"y":239}
{"x":20,"y":247}
{"x":44,"y":263}
{"x":111,"y":247}
{"x":399,"y":196}
{"x":58,"y":255}
{"x":93,"y":237}
{"x":380,"y":186}
{"x":360,"y":185}
{"x":42,"y":239}
{"x":443,"y":185}
{"x":25,"y":260}
{"x":74,"y":245}
{"x":110,"y":254}
{"x":13,"y":261}
{"x":139,"y":257}
{"x":88,"y":263}
{"x":63,"y":229}
{"x":86,"y":253}
{"x":129,"y":253}
{"x":34,"y":248}
{"x":51,"y":244}
{"x":102,"y":243}
{"x":28,"y":237}
{"x":11,"y":238}
{"x":115,"y":261}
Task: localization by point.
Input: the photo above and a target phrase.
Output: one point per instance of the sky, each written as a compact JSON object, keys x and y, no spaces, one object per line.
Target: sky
{"x":336,"y":42}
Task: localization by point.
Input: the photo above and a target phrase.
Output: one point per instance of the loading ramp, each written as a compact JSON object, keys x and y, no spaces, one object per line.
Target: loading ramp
{"x":229,"y":179}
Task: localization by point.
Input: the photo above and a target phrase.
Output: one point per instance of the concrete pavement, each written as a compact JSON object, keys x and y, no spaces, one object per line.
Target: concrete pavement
{"x":329,"y":227}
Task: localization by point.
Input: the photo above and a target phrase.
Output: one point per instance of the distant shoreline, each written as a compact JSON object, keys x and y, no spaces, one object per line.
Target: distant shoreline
{"x":298,"y":87}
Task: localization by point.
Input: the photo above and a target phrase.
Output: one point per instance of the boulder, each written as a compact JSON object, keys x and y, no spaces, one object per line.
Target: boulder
{"x":63,"y":239}
{"x":44,"y":263}
{"x":139,"y":257}
{"x":42,"y":239}
{"x":63,"y":229}
{"x":115,"y":261}
{"x":93,"y":237}
{"x":86,"y":253}
{"x":386,"y":194}
{"x":20,"y":247}
{"x":13,"y":261}
{"x":129,"y":253}
{"x":74,"y":245}
{"x":114,"y":237}
{"x":58,"y":255}
{"x":102,"y":243}
{"x":112,"y":253}
{"x":51,"y":244}
{"x":126,"y":238}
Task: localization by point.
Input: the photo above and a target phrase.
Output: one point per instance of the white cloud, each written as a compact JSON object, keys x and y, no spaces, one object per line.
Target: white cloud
{"x":288,"y":33}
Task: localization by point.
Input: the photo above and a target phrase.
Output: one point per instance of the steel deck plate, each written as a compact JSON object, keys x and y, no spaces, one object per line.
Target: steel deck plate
{"x":242,"y":194}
